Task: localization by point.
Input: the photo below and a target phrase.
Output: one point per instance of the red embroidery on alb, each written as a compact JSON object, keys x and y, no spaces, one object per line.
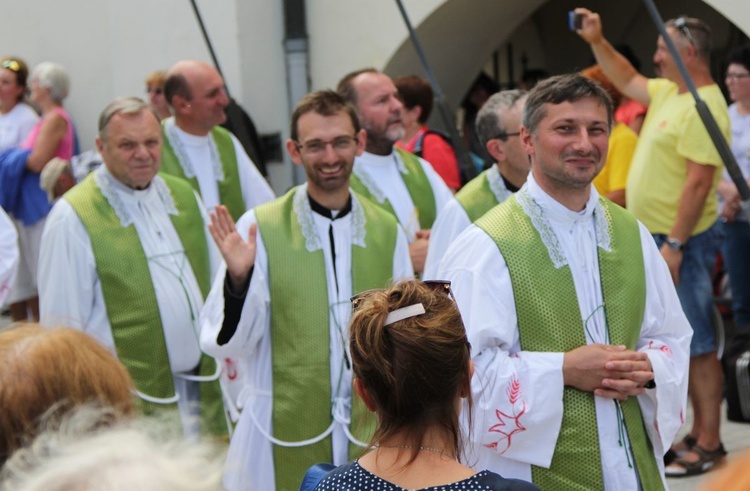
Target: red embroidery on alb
{"x":504,"y":426}
{"x":231,"y":368}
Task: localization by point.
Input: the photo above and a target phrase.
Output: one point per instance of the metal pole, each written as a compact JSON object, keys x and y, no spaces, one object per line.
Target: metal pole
{"x":705,"y":114}
{"x":208,"y":43}
{"x":464,"y":159}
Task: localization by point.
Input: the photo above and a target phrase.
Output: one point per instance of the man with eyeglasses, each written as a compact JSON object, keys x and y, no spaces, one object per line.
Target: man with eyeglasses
{"x":398,"y":181}
{"x":196,"y":148}
{"x":498,"y":124}
{"x":579,"y":343}
{"x":282,"y":307}
{"x":126,"y":258}
{"x":671,"y":188}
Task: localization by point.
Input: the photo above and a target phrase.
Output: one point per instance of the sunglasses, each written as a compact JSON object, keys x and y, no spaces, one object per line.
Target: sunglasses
{"x":504,"y":136}
{"x":11,"y":65}
{"x":440,"y":286}
{"x":157,"y":90}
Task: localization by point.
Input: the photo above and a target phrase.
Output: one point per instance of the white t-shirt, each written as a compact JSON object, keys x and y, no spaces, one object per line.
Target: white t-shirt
{"x":16,"y":125}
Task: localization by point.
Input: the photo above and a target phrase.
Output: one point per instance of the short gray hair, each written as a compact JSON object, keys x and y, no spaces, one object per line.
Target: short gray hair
{"x":126,"y":455}
{"x":121,"y":105}
{"x":694,"y":31}
{"x":489,"y":124}
{"x":54,"y":77}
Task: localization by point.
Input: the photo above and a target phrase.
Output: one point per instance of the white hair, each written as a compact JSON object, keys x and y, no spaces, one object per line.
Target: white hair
{"x":54,"y":77}
{"x":127,"y":456}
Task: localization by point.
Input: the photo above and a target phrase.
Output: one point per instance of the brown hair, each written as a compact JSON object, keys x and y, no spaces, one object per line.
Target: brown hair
{"x":44,"y":368}
{"x":156,"y":79}
{"x":325,"y":103}
{"x":345,"y":86}
{"x":22,"y":73}
{"x":415,"y":91}
{"x":596,"y":74}
{"x":413,"y":369}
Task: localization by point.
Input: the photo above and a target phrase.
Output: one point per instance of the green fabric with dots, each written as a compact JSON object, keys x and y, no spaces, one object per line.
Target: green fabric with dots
{"x":417,"y":184}
{"x":130,"y":298}
{"x":300,"y":331}
{"x":549,"y":320}
{"x":476,"y":197}
{"x":230,"y":189}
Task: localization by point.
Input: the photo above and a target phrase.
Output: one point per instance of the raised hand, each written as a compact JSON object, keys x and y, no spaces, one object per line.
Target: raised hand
{"x":238,"y":254}
{"x":591,"y":27}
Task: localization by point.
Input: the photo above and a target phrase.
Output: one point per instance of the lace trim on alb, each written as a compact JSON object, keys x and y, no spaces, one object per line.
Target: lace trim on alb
{"x":114,"y":200}
{"x":358,"y":223}
{"x":601,"y":224}
{"x":182,"y":156}
{"x":304,"y":212}
{"x":497,"y":185}
{"x":549,"y":238}
{"x":368,"y":182}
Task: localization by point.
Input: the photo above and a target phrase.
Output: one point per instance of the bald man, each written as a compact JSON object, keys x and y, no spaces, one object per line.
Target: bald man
{"x":197,"y":149}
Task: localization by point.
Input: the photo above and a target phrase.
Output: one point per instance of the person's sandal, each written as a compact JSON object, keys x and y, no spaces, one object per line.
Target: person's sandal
{"x":708,"y":459}
{"x":679,"y":449}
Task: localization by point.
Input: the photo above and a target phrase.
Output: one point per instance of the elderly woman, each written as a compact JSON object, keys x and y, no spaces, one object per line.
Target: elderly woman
{"x":51,"y":137}
{"x":17,"y":119}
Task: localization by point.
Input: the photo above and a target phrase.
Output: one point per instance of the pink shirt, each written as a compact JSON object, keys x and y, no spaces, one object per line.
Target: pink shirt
{"x":65,"y":148}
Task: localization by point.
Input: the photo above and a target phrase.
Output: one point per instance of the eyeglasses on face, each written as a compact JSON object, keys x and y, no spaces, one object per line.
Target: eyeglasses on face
{"x":505,"y":136}
{"x":736,"y":77}
{"x":155,"y":90}
{"x":11,"y":65}
{"x":440,"y":286}
{"x":317,"y":147}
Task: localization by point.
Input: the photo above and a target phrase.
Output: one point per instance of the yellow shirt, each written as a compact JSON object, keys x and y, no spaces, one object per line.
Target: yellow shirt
{"x":672,"y":133}
{"x":614,"y":175}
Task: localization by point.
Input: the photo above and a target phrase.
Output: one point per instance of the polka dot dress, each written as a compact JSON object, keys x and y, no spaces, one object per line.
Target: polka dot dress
{"x":352,"y":477}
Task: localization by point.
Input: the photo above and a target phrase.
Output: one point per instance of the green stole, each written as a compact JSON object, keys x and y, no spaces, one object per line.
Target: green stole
{"x":476,"y":197}
{"x":300,"y":331}
{"x":549,"y":320}
{"x":417,"y":184}
{"x":130,"y":298}
{"x":230,"y":189}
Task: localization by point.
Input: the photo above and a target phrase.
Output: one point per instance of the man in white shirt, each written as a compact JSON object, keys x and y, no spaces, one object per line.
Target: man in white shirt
{"x":398,"y":181}
{"x":197,"y":149}
{"x":125,"y":257}
{"x":280,"y":304}
{"x":498,"y":129}
{"x":580,"y":345}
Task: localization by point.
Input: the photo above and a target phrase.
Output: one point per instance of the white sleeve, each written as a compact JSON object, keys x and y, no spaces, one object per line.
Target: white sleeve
{"x":518,"y":395}
{"x":665,"y":338}
{"x":255,"y":188}
{"x":67,"y":275}
{"x":255,"y":319}
{"x":8,"y":254}
{"x":440,"y":190}
{"x":402,"y":267}
{"x":451,"y":221}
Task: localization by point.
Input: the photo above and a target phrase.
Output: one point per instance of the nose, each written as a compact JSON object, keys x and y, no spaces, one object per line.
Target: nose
{"x":583,"y":144}
{"x":141,"y":152}
{"x":396,"y":104}
{"x":224,"y":98}
{"x":330,"y":153}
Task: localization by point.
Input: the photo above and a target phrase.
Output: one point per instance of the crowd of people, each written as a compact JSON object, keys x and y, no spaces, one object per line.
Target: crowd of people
{"x":539,"y":327}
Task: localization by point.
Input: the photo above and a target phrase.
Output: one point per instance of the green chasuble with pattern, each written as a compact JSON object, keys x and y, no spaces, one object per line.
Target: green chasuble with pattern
{"x":549,"y":320}
{"x":130,"y":298}
{"x":230,"y":189}
{"x":417,"y":184}
{"x":302,"y":402}
{"x":476,"y":197}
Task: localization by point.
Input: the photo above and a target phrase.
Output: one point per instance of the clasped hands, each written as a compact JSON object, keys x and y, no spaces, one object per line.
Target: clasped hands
{"x":610,"y":371}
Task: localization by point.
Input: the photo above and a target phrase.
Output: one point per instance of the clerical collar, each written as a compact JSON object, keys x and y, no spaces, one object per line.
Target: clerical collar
{"x":509,"y":185}
{"x":332,"y":214}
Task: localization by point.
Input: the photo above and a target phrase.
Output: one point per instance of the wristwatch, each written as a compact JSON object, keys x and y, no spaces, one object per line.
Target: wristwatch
{"x":675,"y":244}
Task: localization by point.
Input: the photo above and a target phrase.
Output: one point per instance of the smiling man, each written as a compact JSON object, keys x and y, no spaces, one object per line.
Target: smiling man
{"x":196,"y":148}
{"x":126,"y":258}
{"x":398,"y":181}
{"x":283,"y":305}
{"x":577,"y":335}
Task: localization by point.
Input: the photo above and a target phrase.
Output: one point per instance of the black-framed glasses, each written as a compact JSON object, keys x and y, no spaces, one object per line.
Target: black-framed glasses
{"x":317,"y":147}
{"x":440,"y":286}
{"x":504,"y":136}
{"x":736,"y":76}
{"x":11,"y":65}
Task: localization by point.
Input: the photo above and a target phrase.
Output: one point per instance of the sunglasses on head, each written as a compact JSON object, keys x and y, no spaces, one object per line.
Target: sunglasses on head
{"x":11,"y":65}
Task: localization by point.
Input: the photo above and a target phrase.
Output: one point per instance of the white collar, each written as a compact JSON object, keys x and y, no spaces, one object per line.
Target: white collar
{"x":118,"y":195}
{"x":543,"y":209}
{"x":302,"y":209}
{"x":179,"y":140}
{"x":497,"y":185}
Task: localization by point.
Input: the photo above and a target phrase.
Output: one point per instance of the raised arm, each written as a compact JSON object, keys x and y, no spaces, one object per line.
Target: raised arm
{"x":615,"y":66}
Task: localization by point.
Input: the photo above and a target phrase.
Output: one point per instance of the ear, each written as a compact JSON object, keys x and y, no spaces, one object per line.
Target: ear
{"x":527,"y":140}
{"x":293,"y":151}
{"x":496,"y":148}
{"x":180,"y":103}
{"x":99,"y":145}
{"x":361,"y":141}
{"x":361,"y":390}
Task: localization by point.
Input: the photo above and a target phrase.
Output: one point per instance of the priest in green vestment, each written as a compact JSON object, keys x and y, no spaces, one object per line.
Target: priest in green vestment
{"x":280,"y":304}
